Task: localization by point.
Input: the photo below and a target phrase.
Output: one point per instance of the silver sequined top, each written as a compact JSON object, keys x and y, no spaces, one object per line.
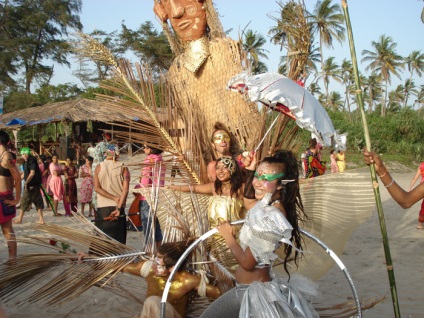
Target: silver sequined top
{"x":263,"y":230}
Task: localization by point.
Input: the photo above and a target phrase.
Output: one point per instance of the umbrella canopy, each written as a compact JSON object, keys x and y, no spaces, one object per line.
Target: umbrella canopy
{"x":284,"y":95}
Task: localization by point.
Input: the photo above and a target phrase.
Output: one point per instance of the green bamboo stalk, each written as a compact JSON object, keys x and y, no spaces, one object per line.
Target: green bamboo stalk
{"x":389,"y":263}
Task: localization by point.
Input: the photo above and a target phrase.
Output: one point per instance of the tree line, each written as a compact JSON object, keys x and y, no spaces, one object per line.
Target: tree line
{"x":35,"y":34}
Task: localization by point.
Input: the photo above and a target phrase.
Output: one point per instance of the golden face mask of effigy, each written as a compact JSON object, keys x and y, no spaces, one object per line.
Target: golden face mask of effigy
{"x":187,"y":17}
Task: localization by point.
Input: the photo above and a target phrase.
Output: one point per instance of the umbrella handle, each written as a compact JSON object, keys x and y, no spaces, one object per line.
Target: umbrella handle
{"x":267,"y":132}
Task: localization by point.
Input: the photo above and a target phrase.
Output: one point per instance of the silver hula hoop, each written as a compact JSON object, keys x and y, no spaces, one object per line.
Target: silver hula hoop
{"x":214,"y":231}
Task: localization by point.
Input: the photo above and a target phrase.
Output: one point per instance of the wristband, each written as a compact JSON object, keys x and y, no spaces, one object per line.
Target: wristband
{"x":390,"y":184}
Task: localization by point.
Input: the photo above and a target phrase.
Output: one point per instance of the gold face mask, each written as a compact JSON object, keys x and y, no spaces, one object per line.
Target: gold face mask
{"x":221,"y":137}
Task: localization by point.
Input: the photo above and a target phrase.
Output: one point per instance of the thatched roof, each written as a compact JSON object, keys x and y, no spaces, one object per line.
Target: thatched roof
{"x":70,"y":111}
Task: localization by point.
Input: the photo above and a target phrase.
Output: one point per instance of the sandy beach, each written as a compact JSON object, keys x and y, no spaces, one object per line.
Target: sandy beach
{"x":363,"y":257}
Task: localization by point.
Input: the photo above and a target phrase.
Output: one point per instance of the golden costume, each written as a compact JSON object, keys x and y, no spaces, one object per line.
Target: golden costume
{"x":226,"y":208}
{"x":223,"y":208}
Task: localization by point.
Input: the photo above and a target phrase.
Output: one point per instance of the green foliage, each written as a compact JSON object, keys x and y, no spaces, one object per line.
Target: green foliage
{"x":50,"y":93}
{"x":398,"y":133}
{"x":32,"y":33}
{"x":149,"y":45}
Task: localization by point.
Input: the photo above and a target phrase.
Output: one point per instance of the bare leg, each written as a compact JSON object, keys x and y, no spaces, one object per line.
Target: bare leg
{"x":9,"y":234}
{"x":91,"y":209}
{"x":40,"y":217}
{"x":82,"y":208}
{"x":56,"y":204}
{"x":19,"y":219}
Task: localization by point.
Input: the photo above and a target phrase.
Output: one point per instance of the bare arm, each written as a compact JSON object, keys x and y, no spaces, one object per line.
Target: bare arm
{"x":244,"y":258}
{"x":16,"y":179}
{"x":417,"y":175}
{"x":403,"y":198}
{"x":125,"y":188}
{"x":82,"y":174}
{"x":206,"y":188}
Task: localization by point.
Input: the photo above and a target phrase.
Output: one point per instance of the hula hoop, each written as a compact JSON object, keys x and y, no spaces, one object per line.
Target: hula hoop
{"x":214,"y":231}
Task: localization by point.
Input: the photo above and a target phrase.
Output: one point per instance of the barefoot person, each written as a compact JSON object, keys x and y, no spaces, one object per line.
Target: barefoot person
{"x":32,"y":186}
{"x":10,"y":179}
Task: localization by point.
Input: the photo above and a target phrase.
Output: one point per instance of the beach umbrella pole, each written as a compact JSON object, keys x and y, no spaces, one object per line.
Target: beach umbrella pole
{"x":360,"y":99}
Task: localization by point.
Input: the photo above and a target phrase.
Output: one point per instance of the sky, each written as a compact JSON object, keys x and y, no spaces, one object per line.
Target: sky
{"x":399,"y":19}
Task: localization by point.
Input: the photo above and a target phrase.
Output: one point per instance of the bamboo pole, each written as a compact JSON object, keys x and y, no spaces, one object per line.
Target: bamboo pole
{"x":360,"y":99}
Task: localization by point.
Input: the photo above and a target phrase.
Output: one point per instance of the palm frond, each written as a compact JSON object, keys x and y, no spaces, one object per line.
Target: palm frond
{"x":58,"y":278}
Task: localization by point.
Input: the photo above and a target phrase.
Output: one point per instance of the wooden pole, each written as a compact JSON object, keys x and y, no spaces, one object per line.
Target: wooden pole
{"x":360,"y":99}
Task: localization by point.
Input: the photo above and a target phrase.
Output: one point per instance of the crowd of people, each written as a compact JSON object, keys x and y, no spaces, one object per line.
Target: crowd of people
{"x":266,"y":193}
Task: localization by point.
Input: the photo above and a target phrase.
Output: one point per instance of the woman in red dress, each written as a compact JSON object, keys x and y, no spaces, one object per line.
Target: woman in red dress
{"x":70,"y":199}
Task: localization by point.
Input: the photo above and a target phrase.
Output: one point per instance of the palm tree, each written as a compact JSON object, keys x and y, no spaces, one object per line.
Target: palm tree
{"x":252,"y":45}
{"x":346,"y":74}
{"x":292,"y":32}
{"x":327,"y":20}
{"x":396,"y":98}
{"x":330,"y":70}
{"x":414,"y":62}
{"x":372,"y":88}
{"x":314,"y":89}
{"x":385,"y":61}
{"x":408,"y":89}
{"x":420,"y":96}
{"x":335,"y":102}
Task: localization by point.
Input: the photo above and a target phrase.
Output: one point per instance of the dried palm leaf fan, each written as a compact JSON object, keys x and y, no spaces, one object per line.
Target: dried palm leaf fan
{"x":137,"y":90}
{"x":295,"y":35}
{"x":60,"y":277}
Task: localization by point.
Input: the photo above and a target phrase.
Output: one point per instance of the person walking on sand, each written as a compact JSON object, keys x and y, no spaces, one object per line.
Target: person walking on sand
{"x":341,"y":161}
{"x":333,"y":161}
{"x":10,"y":179}
{"x":420,"y":173}
{"x":32,"y":186}
{"x":56,"y":183}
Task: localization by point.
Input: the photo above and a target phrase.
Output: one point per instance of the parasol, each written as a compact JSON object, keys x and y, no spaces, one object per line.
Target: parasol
{"x":286,"y":96}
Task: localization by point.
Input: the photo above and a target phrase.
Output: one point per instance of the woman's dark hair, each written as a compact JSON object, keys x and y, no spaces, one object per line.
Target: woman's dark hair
{"x":70,"y":158}
{"x":236,"y":180}
{"x":155,"y":151}
{"x":89,"y":158}
{"x":331,"y":151}
{"x":4,"y":138}
{"x":289,"y":196}
{"x":312,"y":143}
{"x":172,"y":252}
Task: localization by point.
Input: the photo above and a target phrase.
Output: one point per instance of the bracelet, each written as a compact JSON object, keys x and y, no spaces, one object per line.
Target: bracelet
{"x":390,"y":184}
{"x":383,"y":175}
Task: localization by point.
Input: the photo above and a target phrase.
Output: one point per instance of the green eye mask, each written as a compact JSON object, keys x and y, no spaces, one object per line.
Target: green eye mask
{"x":269,"y":176}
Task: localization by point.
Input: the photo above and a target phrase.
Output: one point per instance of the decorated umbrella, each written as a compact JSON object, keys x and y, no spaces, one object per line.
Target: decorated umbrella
{"x":288,"y":97}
